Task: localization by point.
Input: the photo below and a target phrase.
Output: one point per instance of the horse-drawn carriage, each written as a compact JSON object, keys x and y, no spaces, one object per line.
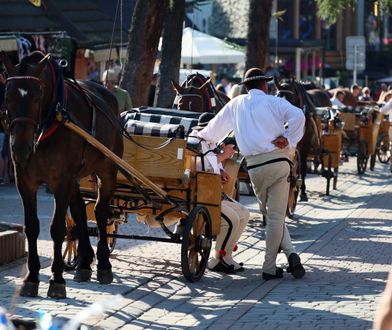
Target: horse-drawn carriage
{"x":65,"y":130}
{"x":330,"y":128}
{"x":162,"y":187}
{"x":361,"y":128}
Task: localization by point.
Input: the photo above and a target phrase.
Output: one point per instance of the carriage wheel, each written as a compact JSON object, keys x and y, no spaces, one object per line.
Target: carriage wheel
{"x":383,"y":149}
{"x":70,"y":255}
{"x":295,"y":186}
{"x":362,"y":157}
{"x":196,"y":243}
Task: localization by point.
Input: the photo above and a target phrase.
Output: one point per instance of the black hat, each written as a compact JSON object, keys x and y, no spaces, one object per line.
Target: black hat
{"x":204,"y":118}
{"x":255,"y":74}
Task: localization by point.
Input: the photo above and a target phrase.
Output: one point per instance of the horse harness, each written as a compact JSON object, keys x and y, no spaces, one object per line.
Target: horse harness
{"x":44,"y":129}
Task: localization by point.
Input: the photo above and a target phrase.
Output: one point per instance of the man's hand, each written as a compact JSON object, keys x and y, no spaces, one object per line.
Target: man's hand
{"x":281,"y":142}
{"x":224,"y":176}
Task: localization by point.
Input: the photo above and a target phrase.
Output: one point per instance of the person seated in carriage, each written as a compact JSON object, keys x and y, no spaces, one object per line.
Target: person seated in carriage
{"x":337,"y":99}
{"x":234,"y":216}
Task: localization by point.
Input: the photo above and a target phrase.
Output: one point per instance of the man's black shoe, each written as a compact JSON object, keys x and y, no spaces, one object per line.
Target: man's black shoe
{"x":295,"y":267}
{"x":222,"y":268}
{"x":278,"y":274}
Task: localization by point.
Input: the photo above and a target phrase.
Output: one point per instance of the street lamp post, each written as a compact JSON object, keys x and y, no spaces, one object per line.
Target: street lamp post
{"x":355,"y":63}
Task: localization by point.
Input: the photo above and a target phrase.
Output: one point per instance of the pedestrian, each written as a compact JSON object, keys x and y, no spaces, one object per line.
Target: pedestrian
{"x":234,"y":91}
{"x":258,"y":121}
{"x":235,"y":216}
{"x":110,"y":80}
{"x":225,"y":81}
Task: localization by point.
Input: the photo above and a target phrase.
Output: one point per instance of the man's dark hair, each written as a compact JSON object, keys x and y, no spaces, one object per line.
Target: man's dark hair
{"x":253,"y":84}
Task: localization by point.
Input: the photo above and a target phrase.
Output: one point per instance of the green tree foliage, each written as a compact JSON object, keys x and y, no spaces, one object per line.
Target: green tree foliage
{"x":329,"y":10}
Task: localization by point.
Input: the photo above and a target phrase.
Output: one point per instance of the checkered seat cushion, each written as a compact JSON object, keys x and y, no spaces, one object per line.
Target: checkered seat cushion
{"x":186,"y":123}
{"x":138,"y":127}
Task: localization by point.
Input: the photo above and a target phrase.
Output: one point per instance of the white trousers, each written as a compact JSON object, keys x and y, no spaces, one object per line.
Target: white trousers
{"x":272,"y":190}
{"x":234,"y":219}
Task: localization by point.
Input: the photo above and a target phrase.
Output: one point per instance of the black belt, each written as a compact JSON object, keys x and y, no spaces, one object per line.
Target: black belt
{"x":275,"y":160}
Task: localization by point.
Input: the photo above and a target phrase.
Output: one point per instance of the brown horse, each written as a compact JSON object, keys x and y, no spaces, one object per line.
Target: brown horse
{"x":198,"y":94}
{"x":310,"y":143}
{"x":320,"y":97}
{"x":44,"y":151}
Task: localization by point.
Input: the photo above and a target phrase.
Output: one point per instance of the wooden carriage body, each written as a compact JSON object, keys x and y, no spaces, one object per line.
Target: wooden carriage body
{"x":172,"y":168}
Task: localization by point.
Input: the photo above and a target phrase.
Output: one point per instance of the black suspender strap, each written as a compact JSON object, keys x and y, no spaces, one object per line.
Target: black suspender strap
{"x":275,"y":160}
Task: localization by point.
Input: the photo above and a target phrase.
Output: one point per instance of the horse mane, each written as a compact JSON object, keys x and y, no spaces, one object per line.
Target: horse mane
{"x":33,"y":59}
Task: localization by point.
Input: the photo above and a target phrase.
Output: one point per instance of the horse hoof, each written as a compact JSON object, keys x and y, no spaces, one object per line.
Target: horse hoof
{"x":82,"y":275}
{"x":105,"y":276}
{"x":57,"y":290}
{"x":29,"y":289}
{"x":304,"y":198}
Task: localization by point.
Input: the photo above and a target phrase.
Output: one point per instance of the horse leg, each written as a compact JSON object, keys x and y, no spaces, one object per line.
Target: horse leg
{"x":85,"y":251}
{"x":304,"y":163}
{"x":31,"y":280}
{"x":58,"y":232}
{"x":103,"y":214}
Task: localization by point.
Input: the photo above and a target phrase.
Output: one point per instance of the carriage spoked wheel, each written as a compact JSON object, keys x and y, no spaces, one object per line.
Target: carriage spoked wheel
{"x":383,"y":149}
{"x":70,"y":254}
{"x":362,"y":157}
{"x":295,"y":185}
{"x":196,"y":243}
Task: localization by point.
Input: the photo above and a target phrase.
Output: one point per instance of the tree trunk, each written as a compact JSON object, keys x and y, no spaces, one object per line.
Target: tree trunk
{"x":144,"y":34}
{"x":257,"y":51}
{"x":171,"y":52}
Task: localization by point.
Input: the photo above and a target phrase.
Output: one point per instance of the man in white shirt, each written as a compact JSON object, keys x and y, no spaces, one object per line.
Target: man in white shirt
{"x":257,"y":120}
{"x":337,"y":99}
{"x":234,"y":216}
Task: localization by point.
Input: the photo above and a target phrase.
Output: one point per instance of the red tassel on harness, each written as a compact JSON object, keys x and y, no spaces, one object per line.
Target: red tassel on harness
{"x":222,"y":253}
{"x":235,"y":248}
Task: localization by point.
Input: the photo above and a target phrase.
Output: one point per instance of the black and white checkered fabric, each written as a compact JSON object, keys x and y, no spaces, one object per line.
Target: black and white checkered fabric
{"x":164,"y":120}
{"x":137,"y":127}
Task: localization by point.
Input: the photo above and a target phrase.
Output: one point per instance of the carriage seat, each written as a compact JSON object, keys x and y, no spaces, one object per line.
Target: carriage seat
{"x":187,"y":123}
{"x":137,"y":127}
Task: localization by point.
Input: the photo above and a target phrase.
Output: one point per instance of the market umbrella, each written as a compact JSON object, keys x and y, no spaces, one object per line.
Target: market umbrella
{"x":198,"y":47}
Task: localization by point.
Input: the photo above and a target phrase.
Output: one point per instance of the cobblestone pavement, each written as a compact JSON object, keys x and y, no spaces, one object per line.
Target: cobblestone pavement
{"x":344,"y":241}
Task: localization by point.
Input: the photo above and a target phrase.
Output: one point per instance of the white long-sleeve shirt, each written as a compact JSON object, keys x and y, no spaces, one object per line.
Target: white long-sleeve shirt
{"x":211,"y":163}
{"x":256,"y":119}
{"x":337,"y":103}
{"x":386,"y":109}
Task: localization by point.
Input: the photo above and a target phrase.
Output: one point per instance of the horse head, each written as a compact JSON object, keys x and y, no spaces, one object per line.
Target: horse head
{"x":287,"y":90}
{"x":27,"y":95}
{"x":192,"y":98}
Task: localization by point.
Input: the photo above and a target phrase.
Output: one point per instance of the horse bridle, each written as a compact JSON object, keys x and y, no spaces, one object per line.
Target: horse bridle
{"x":191,"y":96}
{"x":25,"y":119}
